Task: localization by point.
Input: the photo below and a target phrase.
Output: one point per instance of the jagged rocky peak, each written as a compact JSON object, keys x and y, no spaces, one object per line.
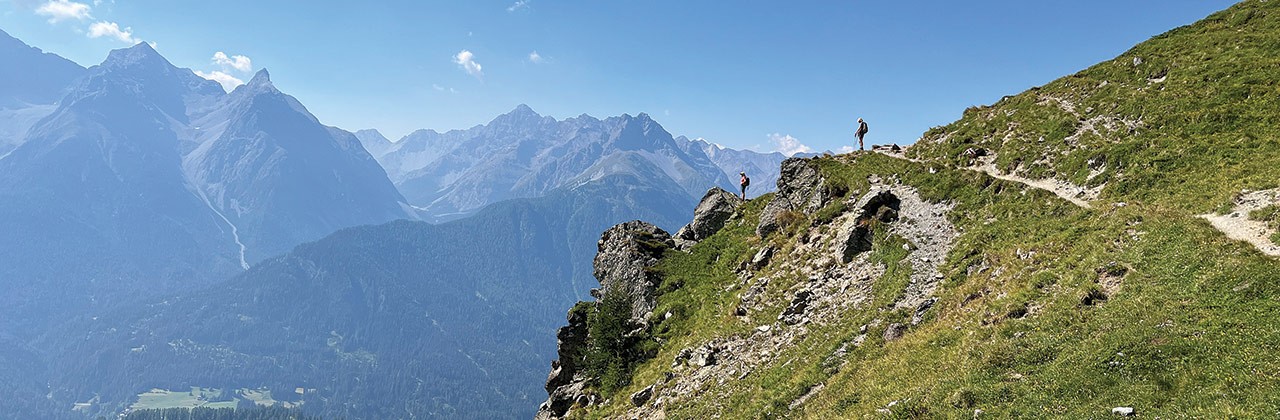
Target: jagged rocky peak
{"x":140,"y":55}
{"x":261,"y":79}
{"x":715,"y":209}
{"x":139,"y":65}
{"x":522,"y":114}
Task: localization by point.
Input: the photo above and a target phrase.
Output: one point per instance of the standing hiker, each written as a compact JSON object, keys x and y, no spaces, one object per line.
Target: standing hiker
{"x":745,"y":182}
{"x":862,"y":132}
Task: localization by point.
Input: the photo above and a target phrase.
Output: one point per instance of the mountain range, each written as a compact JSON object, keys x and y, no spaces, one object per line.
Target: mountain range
{"x":522,"y":154}
{"x":145,"y":179}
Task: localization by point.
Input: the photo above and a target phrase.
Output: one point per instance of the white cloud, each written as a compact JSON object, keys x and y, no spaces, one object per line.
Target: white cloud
{"x":467,"y":61}
{"x":237,"y":62}
{"x":60,"y":10}
{"x":227,"y":81}
{"x":112,"y":30}
{"x":788,"y":145}
{"x":536,"y":58}
{"x":846,"y":149}
{"x":519,"y":4}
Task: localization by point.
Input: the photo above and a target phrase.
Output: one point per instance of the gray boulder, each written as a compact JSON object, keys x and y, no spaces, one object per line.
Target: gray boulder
{"x":642,"y":396}
{"x":716,"y":207}
{"x":762,"y":258}
{"x":799,"y":189}
{"x":855,"y":236}
{"x":895,"y":331}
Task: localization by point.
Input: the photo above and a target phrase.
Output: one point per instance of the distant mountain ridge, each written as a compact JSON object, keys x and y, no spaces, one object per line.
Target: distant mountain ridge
{"x":146,"y":178}
{"x":524,"y":154}
{"x":762,"y":168}
{"x":31,"y":82}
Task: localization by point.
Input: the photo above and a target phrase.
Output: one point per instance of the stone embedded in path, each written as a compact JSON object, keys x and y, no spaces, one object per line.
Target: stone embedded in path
{"x":1122,"y":411}
{"x":894,"y":332}
{"x":642,"y":396}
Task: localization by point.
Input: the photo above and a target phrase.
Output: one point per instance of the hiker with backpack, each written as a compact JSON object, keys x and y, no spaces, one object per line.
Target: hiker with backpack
{"x":745,"y":182}
{"x":862,"y":132}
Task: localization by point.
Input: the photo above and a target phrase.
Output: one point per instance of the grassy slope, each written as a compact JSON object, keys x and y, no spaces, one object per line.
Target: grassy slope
{"x":1191,"y":331}
{"x":1208,"y":130}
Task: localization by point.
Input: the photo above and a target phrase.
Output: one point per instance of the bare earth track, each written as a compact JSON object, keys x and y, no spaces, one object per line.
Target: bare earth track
{"x":1236,"y":224}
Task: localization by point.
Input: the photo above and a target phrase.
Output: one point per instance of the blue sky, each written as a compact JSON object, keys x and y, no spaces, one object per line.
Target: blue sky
{"x":747,"y":74}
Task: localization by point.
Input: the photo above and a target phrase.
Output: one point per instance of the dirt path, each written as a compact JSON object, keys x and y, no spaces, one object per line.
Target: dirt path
{"x":1075,"y":194}
{"x":1236,"y":225}
{"x":1066,"y":190}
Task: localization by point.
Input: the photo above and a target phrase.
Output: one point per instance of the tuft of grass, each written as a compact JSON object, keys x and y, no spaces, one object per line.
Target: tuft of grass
{"x":1271,"y":215}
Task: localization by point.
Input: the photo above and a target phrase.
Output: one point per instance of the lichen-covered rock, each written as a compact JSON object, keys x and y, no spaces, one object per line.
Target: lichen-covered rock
{"x":560,"y":401}
{"x":879,"y":203}
{"x":716,"y":207}
{"x":855,"y":235}
{"x":799,"y":189}
{"x":854,"y":238}
{"x":625,"y":252}
{"x":564,"y":384}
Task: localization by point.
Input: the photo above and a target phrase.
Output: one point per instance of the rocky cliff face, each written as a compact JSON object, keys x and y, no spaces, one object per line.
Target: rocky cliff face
{"x":626,"y":252}
{"x":623,"y":265}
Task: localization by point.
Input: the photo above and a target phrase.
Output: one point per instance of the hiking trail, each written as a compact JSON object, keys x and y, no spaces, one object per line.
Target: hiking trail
{"x":1065,"y":190}
{"x":1236,"y":224}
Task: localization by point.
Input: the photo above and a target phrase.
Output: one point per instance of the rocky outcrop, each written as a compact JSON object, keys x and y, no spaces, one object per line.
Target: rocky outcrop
{"x":716,"y":207}
{"x":798,"y":190}
{"x":625,"y":254}
{"x":878,"y":205}
{"x":571,"y":341}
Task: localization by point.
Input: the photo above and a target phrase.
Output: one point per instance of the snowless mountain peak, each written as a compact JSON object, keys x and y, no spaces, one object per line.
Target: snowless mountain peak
{"x":520,"y":115}
{"x":140,"y":55}
{"x":261,"y":79}
{"x":523,"y":109}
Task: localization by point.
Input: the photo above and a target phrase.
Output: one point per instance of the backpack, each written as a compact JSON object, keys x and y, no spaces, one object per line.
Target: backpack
{"x":746,"y":181}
